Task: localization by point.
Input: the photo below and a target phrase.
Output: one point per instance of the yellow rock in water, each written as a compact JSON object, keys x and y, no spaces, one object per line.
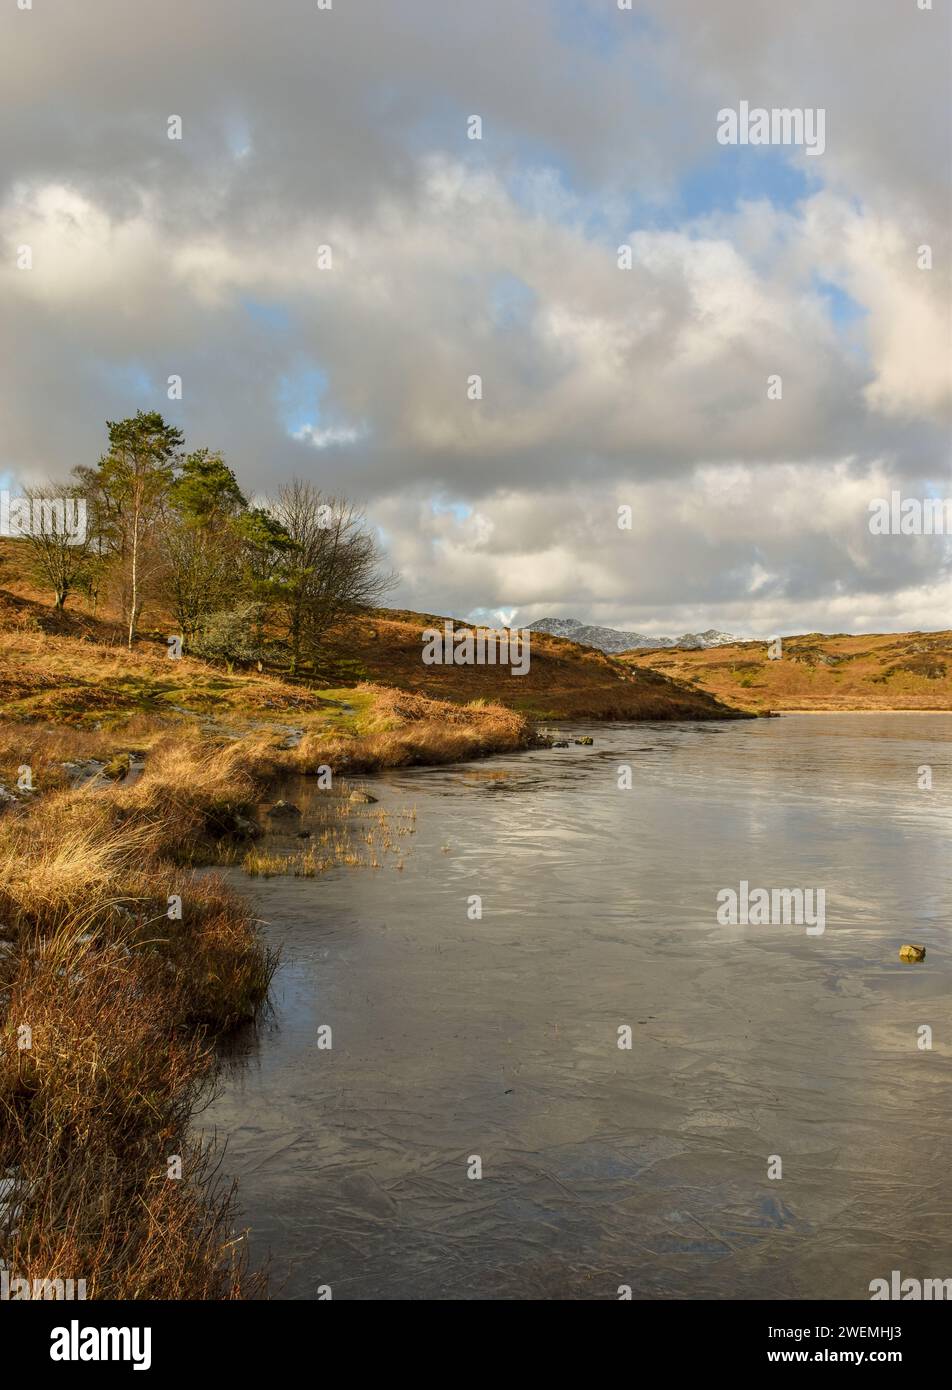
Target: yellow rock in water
{"x":912,"y":953}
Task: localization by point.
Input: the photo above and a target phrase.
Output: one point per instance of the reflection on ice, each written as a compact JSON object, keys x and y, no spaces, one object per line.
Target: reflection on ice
{"x":604,"y":1166}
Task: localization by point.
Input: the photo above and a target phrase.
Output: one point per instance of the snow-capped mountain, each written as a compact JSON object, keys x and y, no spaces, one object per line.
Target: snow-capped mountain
{"x":613,"y":639}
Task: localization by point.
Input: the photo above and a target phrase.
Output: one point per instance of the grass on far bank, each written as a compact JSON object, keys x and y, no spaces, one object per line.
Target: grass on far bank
{"x":882,"y":671}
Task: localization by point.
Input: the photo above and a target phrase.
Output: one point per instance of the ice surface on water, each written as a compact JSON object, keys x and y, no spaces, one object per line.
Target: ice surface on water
{"x":498,"y":1037}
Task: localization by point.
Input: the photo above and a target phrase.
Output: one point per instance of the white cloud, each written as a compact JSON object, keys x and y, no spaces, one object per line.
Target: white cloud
{"x":600,"y":386}
{"x":325,"y":438}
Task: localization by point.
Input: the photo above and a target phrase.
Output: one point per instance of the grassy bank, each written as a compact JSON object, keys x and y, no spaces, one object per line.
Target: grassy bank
{"x":72,"y":667}
{"x":112,"y":998}
{"x":111,"y":1001}
{"x":884,"y":671}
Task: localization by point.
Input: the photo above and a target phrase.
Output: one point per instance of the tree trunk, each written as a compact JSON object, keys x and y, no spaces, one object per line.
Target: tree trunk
{"x":134,"y":602}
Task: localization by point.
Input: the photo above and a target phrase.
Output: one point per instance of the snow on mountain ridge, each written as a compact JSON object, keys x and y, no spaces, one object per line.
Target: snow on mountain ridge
{"x":613,"y":639}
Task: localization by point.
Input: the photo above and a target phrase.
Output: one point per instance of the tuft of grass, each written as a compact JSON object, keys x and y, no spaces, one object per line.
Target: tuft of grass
{"x":261,"y":864}
{"x":402,"y":729}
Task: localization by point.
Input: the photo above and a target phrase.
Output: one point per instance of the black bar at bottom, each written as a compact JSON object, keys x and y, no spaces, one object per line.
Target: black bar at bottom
{"x":409,"y":1337}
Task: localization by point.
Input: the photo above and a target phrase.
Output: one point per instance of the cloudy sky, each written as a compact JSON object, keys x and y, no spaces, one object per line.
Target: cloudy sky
{"x":348,"y":128}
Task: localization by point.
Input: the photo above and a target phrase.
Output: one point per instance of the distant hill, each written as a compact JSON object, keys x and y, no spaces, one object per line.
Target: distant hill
{"x":614,"y":639}
{"x":886,"y":671}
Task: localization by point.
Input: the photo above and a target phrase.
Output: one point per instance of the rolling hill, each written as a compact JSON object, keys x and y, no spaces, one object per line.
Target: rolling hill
{"x":68,"y":665}
{"x":564,"y":680}
{"x":880,"y":671}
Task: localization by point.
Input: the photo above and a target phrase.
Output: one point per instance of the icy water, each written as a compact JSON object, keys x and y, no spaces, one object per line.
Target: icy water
{"x":498,"y":1038}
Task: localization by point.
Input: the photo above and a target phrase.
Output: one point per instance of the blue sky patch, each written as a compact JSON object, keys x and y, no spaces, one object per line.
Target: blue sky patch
{"x":273,"y":316}
{"x":439,"y":506}
{"x":299,"y":398}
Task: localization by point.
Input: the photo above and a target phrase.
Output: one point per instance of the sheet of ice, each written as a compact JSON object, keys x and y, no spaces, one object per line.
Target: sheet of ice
{"x":499,"y":1037}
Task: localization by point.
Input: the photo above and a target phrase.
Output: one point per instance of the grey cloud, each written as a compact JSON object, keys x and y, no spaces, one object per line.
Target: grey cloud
{"x":348,"y":116}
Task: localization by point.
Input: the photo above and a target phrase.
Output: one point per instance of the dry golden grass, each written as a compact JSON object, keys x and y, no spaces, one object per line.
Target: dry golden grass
{"x":73,"y":681}
{"x":46,"y":750}
{"x":403,"y":729}
{"x":882,"y":671}
{"x":63,"y":861}
{"x":120,"y":992}
{"x":564,"y":680}
{"x":73,"y":668}
{"x":264,"y":864}
{"x":344,"y":838}
{"x":91,"y":1112}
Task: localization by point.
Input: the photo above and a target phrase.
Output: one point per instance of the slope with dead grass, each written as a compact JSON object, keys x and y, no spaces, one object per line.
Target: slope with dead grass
{"x":564,"y":680}
{"x":76,"y":671}
{"x":884,"y":671}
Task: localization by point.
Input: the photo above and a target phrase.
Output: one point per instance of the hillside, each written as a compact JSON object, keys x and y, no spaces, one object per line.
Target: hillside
{"x":882,"y":671}
{"x":74,"y":668}
{"x":564,"y":680}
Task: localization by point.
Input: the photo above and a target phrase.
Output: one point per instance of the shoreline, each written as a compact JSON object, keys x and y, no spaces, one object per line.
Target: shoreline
{"x":840,"y":710}
{"x":89,"y":872}
{"x":129,"y":968}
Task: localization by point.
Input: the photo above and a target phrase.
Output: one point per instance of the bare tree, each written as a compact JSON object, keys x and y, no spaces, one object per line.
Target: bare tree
{"x":60,"y":548}
{"x":332,"y":568}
